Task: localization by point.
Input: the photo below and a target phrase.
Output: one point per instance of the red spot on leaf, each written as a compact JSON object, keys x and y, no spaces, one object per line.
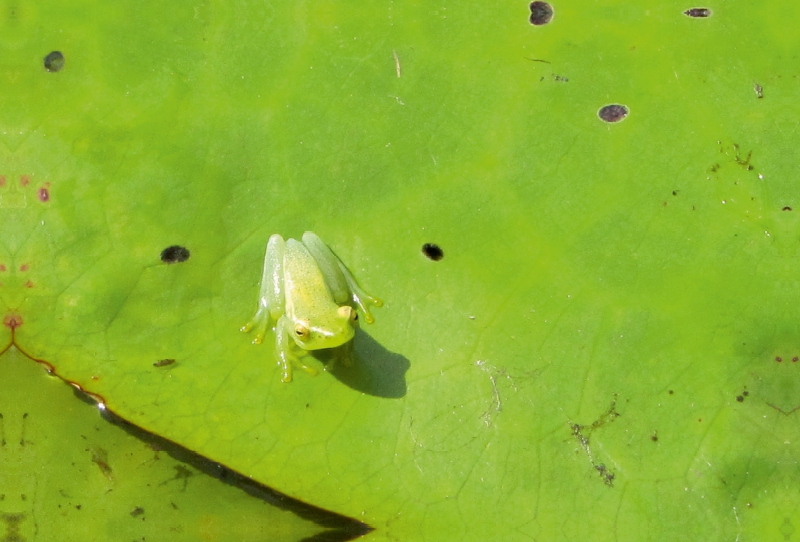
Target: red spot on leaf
{"x":2,"y":267}
{"x":2,"y":180}
{"x":29,"y":284}
{"x":44,"y":194}
{"x":23,"y":267}
{"x":24,"y":180}
{"x":12,"y":321}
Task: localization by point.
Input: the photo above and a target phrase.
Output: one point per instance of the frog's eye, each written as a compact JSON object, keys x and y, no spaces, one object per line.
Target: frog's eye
{"x":302,"y":332}
{"x":348,"y":312}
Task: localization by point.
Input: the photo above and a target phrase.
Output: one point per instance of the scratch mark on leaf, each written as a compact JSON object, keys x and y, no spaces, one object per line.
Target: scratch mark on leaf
{"x":417,"y":444}
{"x":396,"y":63}
{"x":496,"y":405}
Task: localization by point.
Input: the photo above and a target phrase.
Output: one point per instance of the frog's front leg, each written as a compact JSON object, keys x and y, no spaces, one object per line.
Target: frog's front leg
{"x":283,"y":348}
{"x":271,"y":296}
{"x":342,"y":353}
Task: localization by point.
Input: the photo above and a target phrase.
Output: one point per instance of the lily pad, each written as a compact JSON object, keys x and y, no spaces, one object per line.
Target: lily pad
{"x":570,"y":368}
{"x":68,"y":474}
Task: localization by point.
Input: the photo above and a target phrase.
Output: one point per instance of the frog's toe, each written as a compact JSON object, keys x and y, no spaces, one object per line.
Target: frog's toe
{"x":307,"y":369}
{"x":364,"y":307}
{"x":368,"y":318}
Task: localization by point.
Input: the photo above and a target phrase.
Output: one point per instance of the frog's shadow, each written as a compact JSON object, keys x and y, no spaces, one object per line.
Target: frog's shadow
{"x":375,"y":370}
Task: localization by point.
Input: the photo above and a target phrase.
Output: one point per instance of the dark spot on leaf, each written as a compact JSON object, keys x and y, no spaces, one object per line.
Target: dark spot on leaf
{"x":739,"y":398}
{"x":54,"y":61}
{"x":670,"y":392}
{"x":778,"y":359}
{"x":698,"y":12}
{"x":607,"y":475}
{"x":174,"y":254}
{"x":787,"y":208}
{"x":745,"y":163}
{"x":654,"y":437}
{"x":432,"y":251}
{"x":612,"y":113}
{"x":43,"y":194}
{"x":164,"y":362}
{"x":745,"y":393}
{"x":541,"y":13}
{"x":138,"y":511}
{"x":794,"y":359}
{"x":675,"y":192}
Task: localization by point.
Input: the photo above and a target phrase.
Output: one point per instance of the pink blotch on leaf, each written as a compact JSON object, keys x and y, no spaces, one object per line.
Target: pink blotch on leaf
{"x":44,"y":194}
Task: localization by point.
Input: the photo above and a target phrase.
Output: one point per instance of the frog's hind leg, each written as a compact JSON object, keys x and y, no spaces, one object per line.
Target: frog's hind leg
{"x":343,"y":286}
{"x":359,"y":296}
{"x":271,"y":300}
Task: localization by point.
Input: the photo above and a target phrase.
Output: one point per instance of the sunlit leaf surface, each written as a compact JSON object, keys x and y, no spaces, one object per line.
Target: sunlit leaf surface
{"x":608,"y":348}
{"x":67,"y":474}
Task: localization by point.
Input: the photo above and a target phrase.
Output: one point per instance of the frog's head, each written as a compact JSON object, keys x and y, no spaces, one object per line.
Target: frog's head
{"x":333,"y":332}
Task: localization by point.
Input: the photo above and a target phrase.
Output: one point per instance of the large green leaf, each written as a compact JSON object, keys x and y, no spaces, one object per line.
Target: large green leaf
{"x":69,"y":475}
{"x":607,"y":349}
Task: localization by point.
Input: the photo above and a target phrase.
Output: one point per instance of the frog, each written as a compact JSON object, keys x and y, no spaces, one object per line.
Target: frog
{"x":311,"y":300}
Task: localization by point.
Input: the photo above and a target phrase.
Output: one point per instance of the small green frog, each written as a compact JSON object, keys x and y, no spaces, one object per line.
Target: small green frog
{"x":311,"y":297}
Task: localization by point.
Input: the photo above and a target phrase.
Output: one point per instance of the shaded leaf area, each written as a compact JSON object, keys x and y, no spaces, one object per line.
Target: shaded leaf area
{"x":571,"y":368}
{"x":68,"y":474}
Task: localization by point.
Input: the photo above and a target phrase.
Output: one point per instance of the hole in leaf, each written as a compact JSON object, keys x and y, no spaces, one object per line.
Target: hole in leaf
{"x":541,"y":13}
{"x":432,"y":251}
{"x":174,"y":254}
{"x":54,"y":61}
{"x":613,"y":112}
{"x":698,"y":12}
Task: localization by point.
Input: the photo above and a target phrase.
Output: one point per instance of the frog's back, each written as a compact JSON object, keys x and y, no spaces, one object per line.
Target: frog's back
{"x":304,"y":279}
